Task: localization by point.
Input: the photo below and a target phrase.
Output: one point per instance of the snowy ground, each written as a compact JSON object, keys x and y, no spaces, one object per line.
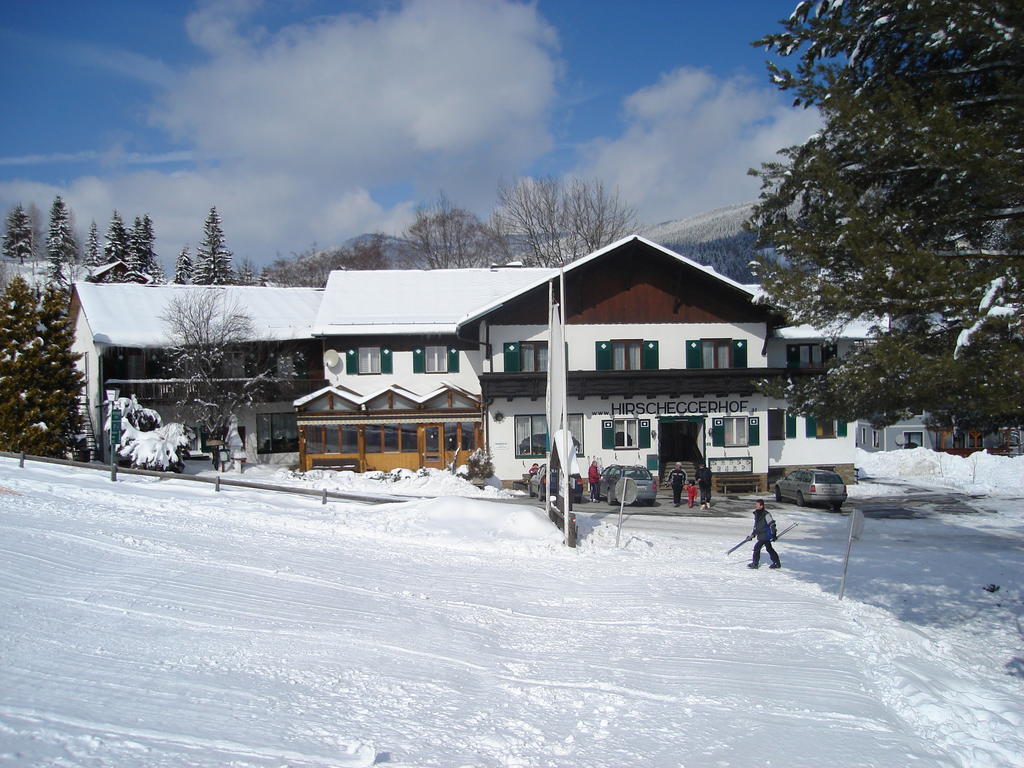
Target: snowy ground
{"x":159,"y":623}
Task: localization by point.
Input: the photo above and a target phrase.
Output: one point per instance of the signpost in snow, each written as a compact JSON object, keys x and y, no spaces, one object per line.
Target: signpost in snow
{"x":625,"y":490}
{"x":856,"y":528}
{"x":115,"y":430}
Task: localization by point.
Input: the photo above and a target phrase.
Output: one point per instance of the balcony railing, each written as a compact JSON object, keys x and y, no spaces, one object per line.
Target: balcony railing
{"x":168,"y":391}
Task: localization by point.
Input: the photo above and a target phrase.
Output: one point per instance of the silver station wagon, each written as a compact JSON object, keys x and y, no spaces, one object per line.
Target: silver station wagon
{"x":812,"y":486}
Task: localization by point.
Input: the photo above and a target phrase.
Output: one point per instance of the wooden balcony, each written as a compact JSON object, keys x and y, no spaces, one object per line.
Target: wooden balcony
{"x":170,"y":391}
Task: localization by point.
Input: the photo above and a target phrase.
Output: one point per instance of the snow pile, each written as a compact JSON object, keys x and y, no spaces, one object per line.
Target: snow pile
{"x":979,"y":473}
{"x":454,"y":520}
{"x":402,"y":482}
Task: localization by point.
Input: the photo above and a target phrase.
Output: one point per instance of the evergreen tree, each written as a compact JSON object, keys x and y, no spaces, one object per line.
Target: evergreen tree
{"x":39,"y":383}
{"x":92,"y":248}
{"x":907,"y":208}
{"x":183,"y":267}
{"x":18,"y":235}
{"x":60,"y":246}
{"x":143,"y":247}
{"x":213,"y":259}
{"x":117,"y":245}
{"x":246,"y":273}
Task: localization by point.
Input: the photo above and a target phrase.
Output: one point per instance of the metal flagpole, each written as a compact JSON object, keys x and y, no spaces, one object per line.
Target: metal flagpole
{"x":566,"y":460}
{"x":548,"y":415}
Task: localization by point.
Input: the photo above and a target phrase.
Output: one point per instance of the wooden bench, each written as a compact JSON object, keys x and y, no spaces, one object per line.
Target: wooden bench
{"x":737,"y":483}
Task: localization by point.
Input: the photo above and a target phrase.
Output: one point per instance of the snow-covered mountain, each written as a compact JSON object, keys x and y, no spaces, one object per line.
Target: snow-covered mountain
{"x":715,"y":238}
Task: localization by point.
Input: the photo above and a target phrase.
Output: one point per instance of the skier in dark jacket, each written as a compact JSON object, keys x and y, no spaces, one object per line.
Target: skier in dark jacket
{"x":704,"y":483}
{"x":764,"y":535}
{"x":677,"y":478}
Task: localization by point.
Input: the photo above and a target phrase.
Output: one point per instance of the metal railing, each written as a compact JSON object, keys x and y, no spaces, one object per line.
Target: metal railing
{"x":217,"y":481}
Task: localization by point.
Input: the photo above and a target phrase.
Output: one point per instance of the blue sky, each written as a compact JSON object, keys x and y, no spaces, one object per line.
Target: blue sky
{"x":308,"y":122}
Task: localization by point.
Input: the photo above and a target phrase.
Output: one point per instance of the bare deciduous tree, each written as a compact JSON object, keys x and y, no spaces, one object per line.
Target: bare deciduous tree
{"x":311,"y":267}
{"x":446,"y":237}
{"x":208,"y":332}
{"x":555,"y":222}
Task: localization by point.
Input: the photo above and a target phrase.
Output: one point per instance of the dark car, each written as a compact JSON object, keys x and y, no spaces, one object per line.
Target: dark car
{"x":646,"y":484}
{"x":539,"y":481}
{"x":812,"y":486}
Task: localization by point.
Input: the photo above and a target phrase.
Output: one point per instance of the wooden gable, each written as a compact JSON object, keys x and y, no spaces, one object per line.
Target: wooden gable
{"x":637,"y":283}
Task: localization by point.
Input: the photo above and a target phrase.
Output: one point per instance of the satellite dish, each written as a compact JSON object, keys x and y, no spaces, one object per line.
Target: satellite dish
{"x":332,"y":358}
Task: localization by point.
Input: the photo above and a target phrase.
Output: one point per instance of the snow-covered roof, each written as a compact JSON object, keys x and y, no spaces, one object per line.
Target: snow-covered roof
{"x":411,"y":301}
{"x":130,"y":315}
{"x":857,"y":329}
{"x":354,"y":397}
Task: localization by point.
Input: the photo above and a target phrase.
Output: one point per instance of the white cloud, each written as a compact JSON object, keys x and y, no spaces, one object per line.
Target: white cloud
{"x":303,"y":134}
{"x":369,"y":100}
{"x":689,"y":140}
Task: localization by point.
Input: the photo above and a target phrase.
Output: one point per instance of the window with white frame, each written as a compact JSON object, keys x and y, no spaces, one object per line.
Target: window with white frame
{"x":736,"y":430}
{"x":576,"y":428}
{"x":531,"y":435}
{"x":369,"y":359}
{"x":436,"y":359}
{"x":626,"y":433}
{"x":874,"y":438}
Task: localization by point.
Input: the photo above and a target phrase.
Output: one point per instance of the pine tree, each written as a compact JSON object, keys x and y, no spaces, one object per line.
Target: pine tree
{"x":151,"y":262}
{"x":907,"y":208}
{"x":18,"y":235}
{"x":39,"y":384}
{"x":183,"y":267}
{"x":117,"y":241}
{"x":61,"y":248}
{"x":246,"y":273}
{"x":213,"y":260}
{"x":92,"y":248}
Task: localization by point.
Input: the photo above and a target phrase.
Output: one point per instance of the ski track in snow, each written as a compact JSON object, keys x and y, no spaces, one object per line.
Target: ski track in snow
{"x":160,"y":626}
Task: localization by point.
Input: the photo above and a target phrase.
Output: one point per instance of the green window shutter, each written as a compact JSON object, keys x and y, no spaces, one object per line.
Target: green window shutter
{"x":419,"y":360}
{"x":792,"y":356}
{"x":739,"y":353}
{"x":608,"y":434}
{"x":453,"y":360}
{"x":512,"y":364}
{"x":841,"y":428}
{"x":694,"y":354}
{"x":812,"y":427}
{"x":718,"y":432}
{"x":790,"y":424}
{"x":650,"y":356}
{"x":603,"y":355}
{"x":644,"y":433}
{"x":385,"y":360}
{"x":754,"y":431}
{"x":351,"y":361}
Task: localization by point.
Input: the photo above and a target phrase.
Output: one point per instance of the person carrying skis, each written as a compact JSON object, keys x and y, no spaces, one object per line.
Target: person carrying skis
{"x":764,"y":532}
{"x":677,"y":477}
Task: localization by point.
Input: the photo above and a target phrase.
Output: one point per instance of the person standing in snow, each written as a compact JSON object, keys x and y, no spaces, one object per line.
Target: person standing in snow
{"x":704,"y":484}
{"x":764,"y":532}
{"x":677,"y":478}
{"x":594,"y":478}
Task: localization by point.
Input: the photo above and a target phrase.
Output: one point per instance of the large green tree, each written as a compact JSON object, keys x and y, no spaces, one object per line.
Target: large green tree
{"x":39,"y":383}
{"x":213,"y":259}
{"x":18,"y":235}
{"x":907,"y":208}
{"x":61,"y":247}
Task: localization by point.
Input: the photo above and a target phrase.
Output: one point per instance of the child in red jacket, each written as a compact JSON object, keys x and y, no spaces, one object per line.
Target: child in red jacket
{"x":691,"y":493}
